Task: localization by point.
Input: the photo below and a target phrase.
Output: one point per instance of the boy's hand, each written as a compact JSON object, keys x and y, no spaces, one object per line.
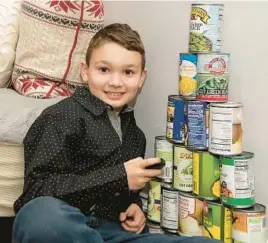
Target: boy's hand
{"x":137,"y":175}
{"x":133,"y":219}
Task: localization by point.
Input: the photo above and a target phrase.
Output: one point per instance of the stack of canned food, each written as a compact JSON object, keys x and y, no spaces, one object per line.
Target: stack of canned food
{"x":207,"y":185}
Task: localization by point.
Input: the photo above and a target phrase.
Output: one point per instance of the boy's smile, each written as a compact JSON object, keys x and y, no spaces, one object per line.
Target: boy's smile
{"x":114,"y":74}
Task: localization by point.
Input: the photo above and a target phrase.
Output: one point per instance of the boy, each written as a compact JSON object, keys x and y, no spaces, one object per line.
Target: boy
{"x":83,"y":156}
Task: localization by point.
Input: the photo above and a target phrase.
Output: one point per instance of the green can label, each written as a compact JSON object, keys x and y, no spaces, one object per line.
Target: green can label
{"x":237,"y":181}
{"x":183,"y":169}
{"x":217,"y":222}
{"x":206,"y":175}
{"x":154,"y":198}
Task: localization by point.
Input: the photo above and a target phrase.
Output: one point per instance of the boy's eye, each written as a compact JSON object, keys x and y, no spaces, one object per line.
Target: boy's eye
{"x":128,"y":72}
{"x":103,"y":69}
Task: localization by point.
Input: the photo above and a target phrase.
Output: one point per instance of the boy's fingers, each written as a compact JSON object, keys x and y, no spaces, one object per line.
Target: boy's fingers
{"x":122,"y":217}
{"x":150,"y":161}
{"x":151,"y":173}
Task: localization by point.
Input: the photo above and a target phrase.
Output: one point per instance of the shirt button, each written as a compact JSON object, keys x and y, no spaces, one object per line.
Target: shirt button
{"x":117,"y":194}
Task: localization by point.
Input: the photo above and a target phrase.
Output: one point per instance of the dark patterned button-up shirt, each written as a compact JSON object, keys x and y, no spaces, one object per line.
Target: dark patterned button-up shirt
{"x":73,"y":153}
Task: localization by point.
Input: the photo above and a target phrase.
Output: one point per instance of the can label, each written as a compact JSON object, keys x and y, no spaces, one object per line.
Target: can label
{"x":154,"y":198}
{"x":175,"y":119}
{"x":237,"y":182}
{"x":187,"y":75}
{"x":217,"y":221}
{"x":183,"y":169}
{"x":225,"y":130}
{"x":164,"y":150}
{"x":205,"y":28}
{"x":169,"y":209}
{"x":206,"y":175}
{"x":249,"y":227}
{"x":190,"y":216}
{"x":196,"y":125}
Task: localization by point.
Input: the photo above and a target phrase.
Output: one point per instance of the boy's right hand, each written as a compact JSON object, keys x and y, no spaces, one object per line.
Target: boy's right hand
{"x":137,"y":174}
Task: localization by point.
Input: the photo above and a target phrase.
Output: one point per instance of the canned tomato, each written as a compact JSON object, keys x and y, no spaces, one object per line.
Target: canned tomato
{"x":169,"y":208}
{"x":183,"y":168}
{"x":206,"y":175}
{"x":217,"y":222}
{"x":164,"y":149}
{"x":187,"y":75}
{"x":154,"y":198}
{"x":237,"y":180}
{"x":205,"y":28}
{"x":196,"y":125}
{"x":225,"y":128}
{"x":190,"y":215}
{"x":213,"y":77}
{"x":249,"y":225}
{"x":175,"y":119}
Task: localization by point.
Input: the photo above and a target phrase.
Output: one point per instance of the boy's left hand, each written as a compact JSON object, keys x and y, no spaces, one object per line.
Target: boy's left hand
{"x":137,"y":220}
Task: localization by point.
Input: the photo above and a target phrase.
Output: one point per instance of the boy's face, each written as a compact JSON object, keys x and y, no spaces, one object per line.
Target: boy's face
{"x":114,"y":74}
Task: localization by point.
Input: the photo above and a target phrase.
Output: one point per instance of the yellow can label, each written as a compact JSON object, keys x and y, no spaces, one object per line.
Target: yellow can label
{"x":227,"y":232}
{"x":196,"y":173}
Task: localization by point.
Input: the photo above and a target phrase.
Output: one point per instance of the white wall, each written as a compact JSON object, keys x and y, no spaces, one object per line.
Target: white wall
{"x":164,"y":28}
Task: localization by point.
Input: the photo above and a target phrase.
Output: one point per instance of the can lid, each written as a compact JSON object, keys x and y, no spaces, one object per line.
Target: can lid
{"x":176,"y":97}
{"x":218,"y":202}
{"x":228,"y":104}
{"x":257,"y":208}
{"x":160,"y":137}
{"x":243,"y":155}
{"x":187,"y":194}
{"x":167,"y":186}
{"x":213,"y":53}
{"x":187,"y":53}
{"x":208,"y":4}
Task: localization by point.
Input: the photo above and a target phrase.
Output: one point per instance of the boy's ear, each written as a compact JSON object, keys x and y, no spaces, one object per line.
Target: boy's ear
{"x":143,"y":77}
{"x":84,"y":71}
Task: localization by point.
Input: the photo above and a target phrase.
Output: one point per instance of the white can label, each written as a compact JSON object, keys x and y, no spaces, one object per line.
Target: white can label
{"x":169,"y":209}
{"x":225,"y":131}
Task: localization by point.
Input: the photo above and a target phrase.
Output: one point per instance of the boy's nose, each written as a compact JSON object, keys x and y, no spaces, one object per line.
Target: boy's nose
{"x":116,"y":80}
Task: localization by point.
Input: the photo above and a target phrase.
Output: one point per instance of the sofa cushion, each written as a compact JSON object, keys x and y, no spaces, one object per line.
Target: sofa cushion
{"x":9,"y":32}
{"x":54,"y":36}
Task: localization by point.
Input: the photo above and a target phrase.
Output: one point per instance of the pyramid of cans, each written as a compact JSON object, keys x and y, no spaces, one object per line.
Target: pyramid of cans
{"x":207,"y":185}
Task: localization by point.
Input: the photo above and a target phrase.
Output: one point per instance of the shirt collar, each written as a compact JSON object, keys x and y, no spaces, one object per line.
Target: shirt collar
{"x":96,"y":106}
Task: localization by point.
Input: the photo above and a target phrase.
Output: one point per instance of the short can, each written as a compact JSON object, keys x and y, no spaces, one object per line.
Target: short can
{"x":225,"y":128}
{"x":187,"y":75}
{"x":154,"y":198}
{"x":249,"y":225}
{"x":238,"y":180}
{"x":196,"y":129}
{"x":169,"y":208}
{"x":183,"y":168}
{"x":190,"y":215}
{"x":206,"y":175}
{"x":164,"y":149}
{"x":213,"y":77}
{"x":175,"y":119}
{"x":217,"y":221}
{"x":206,"y":28}
{"x":154,"y":227}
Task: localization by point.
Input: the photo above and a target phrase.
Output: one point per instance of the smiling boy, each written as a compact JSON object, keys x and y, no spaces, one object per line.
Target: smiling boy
{"x":84,"y":161}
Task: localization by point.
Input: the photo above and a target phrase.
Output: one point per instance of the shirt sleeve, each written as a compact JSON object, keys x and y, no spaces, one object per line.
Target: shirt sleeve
{"x":47,"y":166}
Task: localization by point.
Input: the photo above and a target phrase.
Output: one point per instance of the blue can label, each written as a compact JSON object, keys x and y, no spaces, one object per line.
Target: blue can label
{"x":175,"y":119}
{"x":196,"y":125}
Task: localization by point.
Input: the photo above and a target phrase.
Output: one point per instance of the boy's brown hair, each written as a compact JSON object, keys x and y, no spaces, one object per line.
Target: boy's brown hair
{"x":120,"y":34}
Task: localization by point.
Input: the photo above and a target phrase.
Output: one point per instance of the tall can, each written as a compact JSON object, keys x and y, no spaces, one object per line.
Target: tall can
{"x":164,"y":149}
{"x":154,"y":198}
{"x":175,"y":119}
{"x":206,"y":175}
{"x":206,"y":28}
{"x":217,"y":222}
{"x":190,"y":215}
{"x":249,"y":225}
{"x":238,"y":180}
{"x":213,"y":77}
{"x":183,"y":168}
{"x":169,"y":208}
{"x":225,"y":128}
{"x":196,"y":125}
{"x":187,"y":75}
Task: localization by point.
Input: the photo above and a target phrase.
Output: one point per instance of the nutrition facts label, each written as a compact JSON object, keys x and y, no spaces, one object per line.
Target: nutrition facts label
{"x":170,"y":211}
{"x":221,"y":130}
